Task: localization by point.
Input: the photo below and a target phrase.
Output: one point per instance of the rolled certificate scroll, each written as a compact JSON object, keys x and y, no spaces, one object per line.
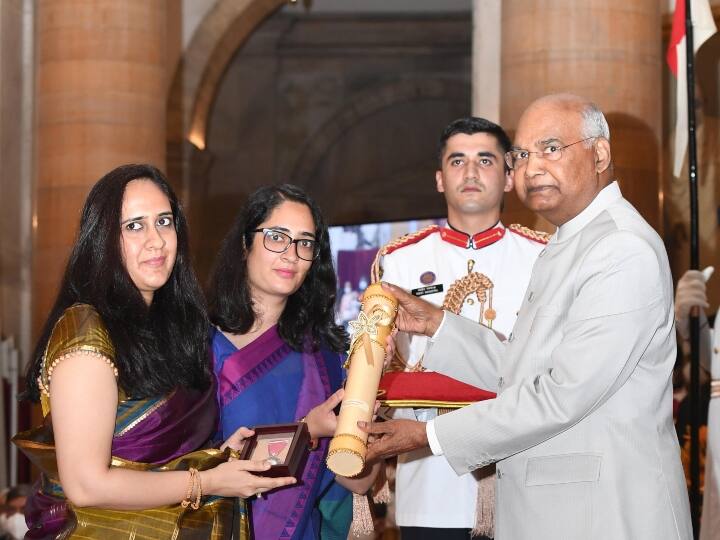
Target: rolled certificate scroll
{"x":346,"y":455}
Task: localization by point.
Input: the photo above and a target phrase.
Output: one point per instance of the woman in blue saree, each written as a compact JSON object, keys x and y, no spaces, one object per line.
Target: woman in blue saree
{"x":123,"y":375}
{"x":278,"y":352}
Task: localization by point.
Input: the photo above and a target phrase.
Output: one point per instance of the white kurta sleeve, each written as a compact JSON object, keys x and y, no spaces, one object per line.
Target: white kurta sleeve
{"x":466,"y":351}
{"x":620,"y":303}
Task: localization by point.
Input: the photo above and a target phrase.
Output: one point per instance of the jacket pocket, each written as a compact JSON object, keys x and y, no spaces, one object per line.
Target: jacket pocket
{"x":562,"y":469}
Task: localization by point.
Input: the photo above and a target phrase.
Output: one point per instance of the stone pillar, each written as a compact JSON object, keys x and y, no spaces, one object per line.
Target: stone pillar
{"x":486,"y":59}
{"x":101,"y":102}
{"x":16,"y":143}
{"x":607,"y":50}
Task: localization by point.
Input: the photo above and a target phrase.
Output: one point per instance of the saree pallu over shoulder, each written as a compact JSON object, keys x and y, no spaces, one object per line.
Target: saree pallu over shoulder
{"x":267,"y":382}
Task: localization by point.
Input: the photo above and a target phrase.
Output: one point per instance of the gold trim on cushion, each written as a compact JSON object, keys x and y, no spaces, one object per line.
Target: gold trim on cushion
{"x":424,"y":403}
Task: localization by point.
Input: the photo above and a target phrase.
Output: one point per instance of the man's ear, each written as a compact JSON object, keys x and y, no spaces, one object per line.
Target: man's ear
{"x":509,"y":181}
{"x":439,"y":182}
{"x":603,"y":157}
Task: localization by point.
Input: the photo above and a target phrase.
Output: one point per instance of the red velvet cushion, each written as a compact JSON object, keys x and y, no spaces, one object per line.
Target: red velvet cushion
{"x":424,"y":386}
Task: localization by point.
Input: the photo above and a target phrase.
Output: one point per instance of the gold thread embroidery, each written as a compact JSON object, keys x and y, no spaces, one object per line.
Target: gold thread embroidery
{"x":143,"y":416}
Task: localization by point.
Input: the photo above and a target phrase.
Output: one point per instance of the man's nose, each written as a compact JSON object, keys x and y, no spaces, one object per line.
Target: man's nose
{"x":472,"y":171}
{"x":535,"y":165}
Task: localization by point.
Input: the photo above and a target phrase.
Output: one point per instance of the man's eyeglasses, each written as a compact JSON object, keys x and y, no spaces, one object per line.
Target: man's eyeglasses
{"x":279,"y":242}
{"x":552,"y":152}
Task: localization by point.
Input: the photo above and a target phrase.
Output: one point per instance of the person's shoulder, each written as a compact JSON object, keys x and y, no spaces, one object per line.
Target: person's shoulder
{"x":402,"y":249}
{"x":408,"y":242}
{"x":528,"y":235}
{"x":623,"y":225}
{"x":80,"y":328}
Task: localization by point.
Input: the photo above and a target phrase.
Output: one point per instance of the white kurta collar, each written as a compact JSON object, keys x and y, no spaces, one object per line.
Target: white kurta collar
{"x":608,"y":195}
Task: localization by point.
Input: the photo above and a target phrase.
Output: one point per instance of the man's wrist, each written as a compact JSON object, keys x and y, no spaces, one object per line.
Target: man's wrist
{"x":435,"y":322}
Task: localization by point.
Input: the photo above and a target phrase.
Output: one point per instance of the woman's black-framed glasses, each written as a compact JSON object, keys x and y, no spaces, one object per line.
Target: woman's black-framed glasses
{"x":276,"y":241}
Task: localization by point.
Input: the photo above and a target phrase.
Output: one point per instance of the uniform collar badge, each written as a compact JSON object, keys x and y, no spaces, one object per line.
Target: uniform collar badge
{"x":476,"y":241}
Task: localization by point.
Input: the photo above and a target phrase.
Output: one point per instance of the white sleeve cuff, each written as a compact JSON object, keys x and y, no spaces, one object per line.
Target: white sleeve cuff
{"x":439,"y":328}
{"x":432,"y":438}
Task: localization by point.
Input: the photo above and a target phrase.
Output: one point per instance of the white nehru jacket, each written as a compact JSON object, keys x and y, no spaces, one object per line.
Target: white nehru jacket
{"x":428,"y":492}
{"x":582,"y":428}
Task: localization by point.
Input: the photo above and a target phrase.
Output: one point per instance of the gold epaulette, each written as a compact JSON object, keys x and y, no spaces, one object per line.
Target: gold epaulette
{"x":530,"y":234}
{"x":402,"y":241}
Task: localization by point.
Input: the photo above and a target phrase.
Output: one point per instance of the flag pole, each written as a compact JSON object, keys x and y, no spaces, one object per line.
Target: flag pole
{"x":695,"y":401}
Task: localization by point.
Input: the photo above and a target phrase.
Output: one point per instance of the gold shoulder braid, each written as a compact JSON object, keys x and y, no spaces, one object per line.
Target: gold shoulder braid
{"x":376,"y":270}
{"x":532,"y":234}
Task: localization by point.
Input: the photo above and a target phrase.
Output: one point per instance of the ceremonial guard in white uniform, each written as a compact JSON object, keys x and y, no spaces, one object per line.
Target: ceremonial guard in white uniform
{"x":481,"y":274}
{"x":710,"y":522}
{"x":483,"y":278}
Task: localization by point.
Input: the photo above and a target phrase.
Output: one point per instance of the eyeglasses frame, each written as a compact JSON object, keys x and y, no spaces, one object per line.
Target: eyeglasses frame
{"x":265,"y":230}
{"x":542,"y":155}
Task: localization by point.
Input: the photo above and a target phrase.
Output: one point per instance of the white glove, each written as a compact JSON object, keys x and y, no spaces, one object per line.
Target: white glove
{"x":690,"y":292}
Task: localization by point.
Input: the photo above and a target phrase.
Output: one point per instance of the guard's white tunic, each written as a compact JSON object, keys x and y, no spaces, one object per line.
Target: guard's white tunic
{"x":428,"y":493}
{"x":582,"y":429}
{"x":710,"y":521}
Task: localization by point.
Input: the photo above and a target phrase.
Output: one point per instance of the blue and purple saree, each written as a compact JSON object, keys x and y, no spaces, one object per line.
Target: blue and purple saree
{"x":267,"y":382}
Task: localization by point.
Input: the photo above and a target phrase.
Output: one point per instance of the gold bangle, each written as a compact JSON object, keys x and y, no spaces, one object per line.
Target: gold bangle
{"x":191,"y":484}
{"x":196,"y":504}
{"x":194,"y":486}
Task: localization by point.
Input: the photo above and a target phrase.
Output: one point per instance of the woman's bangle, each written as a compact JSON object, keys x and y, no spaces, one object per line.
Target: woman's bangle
{"x":194,"y":486}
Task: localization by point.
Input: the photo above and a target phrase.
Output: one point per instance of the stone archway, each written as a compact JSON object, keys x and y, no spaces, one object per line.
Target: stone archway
{"x":222,"y":31}
{"x":363,"y":105}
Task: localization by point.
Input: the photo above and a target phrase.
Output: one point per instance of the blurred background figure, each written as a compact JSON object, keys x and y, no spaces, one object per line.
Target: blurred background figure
{"x":692,"y":293}
{"x":12,"y":513}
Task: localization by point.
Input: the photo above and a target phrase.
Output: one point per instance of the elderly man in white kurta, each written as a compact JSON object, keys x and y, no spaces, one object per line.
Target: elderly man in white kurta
{"x":582,"y":429}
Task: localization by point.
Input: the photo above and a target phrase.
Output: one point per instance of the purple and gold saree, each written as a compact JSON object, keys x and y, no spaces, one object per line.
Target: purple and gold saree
{"x":156,"y":434}
{"x":267,"y":382}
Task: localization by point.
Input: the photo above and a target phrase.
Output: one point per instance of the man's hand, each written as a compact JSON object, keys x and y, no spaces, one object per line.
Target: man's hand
{"x":393,"y":437}
{"x":414,"y":314}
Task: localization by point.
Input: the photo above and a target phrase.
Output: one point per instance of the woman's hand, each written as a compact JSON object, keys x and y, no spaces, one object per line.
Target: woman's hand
{"x":321,"y":420}
{"x":236,"y":440}
{"x":235,"y":479}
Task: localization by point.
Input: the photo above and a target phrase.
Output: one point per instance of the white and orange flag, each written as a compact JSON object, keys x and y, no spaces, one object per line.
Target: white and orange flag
{"x":703,"y":27}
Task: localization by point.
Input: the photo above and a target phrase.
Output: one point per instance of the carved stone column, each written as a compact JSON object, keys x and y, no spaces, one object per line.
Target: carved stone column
{"x":101,"y":102}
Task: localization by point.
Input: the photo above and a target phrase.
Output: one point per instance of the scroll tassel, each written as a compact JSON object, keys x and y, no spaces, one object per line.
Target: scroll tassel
{"x":485,"y":511}
{"x":362,"y":523}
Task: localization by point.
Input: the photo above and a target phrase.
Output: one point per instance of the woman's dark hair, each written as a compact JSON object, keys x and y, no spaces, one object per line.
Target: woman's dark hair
{"x":157,"y":347}
{"x":309,"y":311}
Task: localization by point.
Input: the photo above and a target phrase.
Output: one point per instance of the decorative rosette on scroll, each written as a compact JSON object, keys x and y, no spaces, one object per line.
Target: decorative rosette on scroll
{"x":346,"y":455}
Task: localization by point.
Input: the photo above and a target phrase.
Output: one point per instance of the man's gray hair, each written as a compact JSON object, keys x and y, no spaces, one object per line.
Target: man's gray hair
{"x":594,"y":123}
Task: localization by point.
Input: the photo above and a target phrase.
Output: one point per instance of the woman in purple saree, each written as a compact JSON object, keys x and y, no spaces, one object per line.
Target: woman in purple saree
{"x":124,"y":380}
{"x":277,"y":352}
